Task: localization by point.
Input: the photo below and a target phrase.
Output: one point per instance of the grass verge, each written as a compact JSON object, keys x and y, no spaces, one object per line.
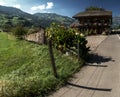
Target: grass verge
{"x":25,"y":68}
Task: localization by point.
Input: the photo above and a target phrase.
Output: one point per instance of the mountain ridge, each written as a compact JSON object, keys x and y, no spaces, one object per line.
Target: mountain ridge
{"x":10,"y":17}
{"x":53,"y":17}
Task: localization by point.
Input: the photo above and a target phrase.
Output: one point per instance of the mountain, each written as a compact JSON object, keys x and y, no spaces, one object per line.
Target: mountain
{"x":47,"y":18}
{"x":116,"y":21}
{"x":13,"y":11}
{"x":10,"y":17}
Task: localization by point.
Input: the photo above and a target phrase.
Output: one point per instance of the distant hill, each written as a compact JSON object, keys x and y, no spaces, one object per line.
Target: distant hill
{"x":47,"y":18}
{"x":14,"y":12}
{"x":116,"y":21}
{"x":10,"y":17}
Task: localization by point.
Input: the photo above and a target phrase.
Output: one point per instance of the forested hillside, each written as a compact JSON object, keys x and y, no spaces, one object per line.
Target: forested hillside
{"x":47,"y":18}
{"x":10,"y":17}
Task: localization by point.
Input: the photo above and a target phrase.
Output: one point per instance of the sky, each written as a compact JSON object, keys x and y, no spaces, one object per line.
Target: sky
{"x":62,"y":7}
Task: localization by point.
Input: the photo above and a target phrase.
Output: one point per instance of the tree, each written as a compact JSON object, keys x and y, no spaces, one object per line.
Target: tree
{"x":91,"y":8}
{"x":19,"y":31}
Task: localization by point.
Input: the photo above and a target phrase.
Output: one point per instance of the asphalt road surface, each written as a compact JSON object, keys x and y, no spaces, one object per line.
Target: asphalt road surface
{"x":101,"y":77}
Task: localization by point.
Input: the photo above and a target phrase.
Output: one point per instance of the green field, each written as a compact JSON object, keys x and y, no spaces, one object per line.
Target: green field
{"x":25,"y":68}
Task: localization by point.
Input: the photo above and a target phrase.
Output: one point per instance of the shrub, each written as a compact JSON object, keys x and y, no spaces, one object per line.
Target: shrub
{"x":19,"y":31}
{"x":61,"y":36}
{"x":66,"y":38}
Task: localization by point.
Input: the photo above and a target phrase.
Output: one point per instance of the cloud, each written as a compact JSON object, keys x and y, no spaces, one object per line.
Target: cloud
{"x":49,"y":5}
{"x":17,"y":6}
{"x":2,"y":3}
{"x":40,"y":7}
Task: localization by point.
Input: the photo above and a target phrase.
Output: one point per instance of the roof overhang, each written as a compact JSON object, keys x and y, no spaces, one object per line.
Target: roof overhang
{"x":95,"y":13}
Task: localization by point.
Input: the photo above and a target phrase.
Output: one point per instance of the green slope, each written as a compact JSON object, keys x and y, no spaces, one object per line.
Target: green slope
{"x":25,"y":68}
{"x":47,"y":18}
{"x":10,"y":17}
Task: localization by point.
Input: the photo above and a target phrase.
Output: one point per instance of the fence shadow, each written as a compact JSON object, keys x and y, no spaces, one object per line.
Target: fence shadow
{"x":90,"y":88}
{"x":98,"y":59}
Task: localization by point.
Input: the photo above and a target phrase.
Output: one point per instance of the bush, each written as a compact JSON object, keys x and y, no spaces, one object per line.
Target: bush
{"x":62,"y":37}
{"x":66,"y":38}
{"x":19,"y":31}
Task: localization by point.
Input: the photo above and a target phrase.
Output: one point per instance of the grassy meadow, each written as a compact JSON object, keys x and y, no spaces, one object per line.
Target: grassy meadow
{"x":25,"y":68}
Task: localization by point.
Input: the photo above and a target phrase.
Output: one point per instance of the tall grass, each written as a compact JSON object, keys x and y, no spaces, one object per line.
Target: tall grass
{"x":25,"y":68}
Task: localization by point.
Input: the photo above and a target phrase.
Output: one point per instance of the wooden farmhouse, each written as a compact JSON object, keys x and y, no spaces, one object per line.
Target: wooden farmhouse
{"x":98,"y":21}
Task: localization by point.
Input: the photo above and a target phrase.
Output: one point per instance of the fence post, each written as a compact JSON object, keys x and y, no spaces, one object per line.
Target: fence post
{"x":52,"y":58}
{"x":79,"y":51}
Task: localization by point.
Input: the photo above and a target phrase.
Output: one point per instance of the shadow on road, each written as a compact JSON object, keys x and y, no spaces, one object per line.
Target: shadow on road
{"x":115,"y":32}
{"x":98,"y":59}
{"x":89,"y":88}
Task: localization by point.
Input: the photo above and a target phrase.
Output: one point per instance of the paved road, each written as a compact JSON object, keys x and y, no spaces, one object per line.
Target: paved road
{"x":101,"y":77}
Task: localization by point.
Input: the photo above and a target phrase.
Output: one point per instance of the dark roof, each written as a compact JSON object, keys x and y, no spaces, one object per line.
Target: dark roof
{"x":93,"y":13}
